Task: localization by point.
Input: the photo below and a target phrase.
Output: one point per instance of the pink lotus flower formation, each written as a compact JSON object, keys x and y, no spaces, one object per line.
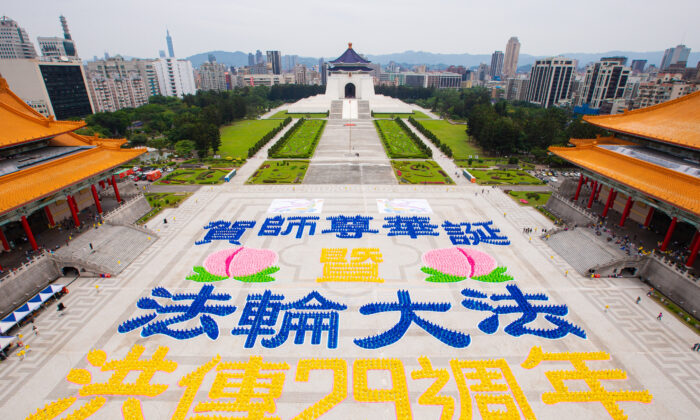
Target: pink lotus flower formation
{"x":454,"y":264}
{"x":241,"y":263}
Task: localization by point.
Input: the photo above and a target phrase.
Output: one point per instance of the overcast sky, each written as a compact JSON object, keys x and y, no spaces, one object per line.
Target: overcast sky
{"x":322,"y":28}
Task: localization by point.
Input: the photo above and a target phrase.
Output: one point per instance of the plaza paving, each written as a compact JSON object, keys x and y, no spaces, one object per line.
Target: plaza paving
{"x":655,"y":354}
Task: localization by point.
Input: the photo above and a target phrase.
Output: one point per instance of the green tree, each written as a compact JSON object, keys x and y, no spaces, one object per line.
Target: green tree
{"x":184,"y":148}
{"x":138,"y":139}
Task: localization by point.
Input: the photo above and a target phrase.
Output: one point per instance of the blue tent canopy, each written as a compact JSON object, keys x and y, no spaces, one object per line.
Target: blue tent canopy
{"x":27,"y":308}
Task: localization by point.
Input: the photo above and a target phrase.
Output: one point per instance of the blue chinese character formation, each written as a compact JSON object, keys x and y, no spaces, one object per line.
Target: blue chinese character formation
{"x":413,"y":226}
{"x":222,"y":230}
{"x":197,"y":308}
{"x":349,"y":227}
{"x":259,"y":316}
{"x":272,"y":226}
{"x":408,"y":316}
{"x":528,"y":313}
{"x":466,"y":233}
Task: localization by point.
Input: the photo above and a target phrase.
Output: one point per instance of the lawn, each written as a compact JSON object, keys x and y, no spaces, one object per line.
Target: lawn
{"x":302,"y":142}
{"x":160,"y":201}
{"x":284,"y":114}
{"x":420,"y":172}
{"x":280,"y":172}
{"x":396,"y":141}
{"x":533,"y":198}
{"x":499,"y":177}
{"x":416,"y":114}
{"x":194,"y":176}
{"x":240,"y":136}
{"x":455,"y":136}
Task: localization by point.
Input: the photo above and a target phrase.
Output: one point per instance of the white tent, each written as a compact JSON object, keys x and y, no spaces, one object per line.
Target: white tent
{"x":31,"y":305}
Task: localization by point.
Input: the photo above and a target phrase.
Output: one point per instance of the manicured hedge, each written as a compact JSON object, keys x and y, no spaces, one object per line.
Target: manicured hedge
{"x":267,"y":137}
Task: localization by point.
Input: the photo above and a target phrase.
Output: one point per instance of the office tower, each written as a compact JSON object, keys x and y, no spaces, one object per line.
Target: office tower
{"x":510,"y":61}
{"x":674,"y":55}
{"x":51,"y":88}
{"x":324,"y":73}
{"x":516,"y":89}
{"x":57,"y":47}
{"x":550,"y":81}
{"x":175,"y":77}
{"x":161,"y":53}
{"x":482,"y":72}
{"x":300,"y":74}
{"x":14,"y":41}
{"x":604,"y":81}
{"x":258,"y":57}
{"x":497,"y":64}
{"x":212,"y":76}
{"x":116,"y":83}
{"x":169,"y":40}
{"x":275,"y":59}
{"x":251,"y":60}
{"x":638,"y":66}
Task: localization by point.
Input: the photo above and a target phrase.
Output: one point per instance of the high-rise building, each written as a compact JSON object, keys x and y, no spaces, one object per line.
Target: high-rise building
{"x":638,"y":66}
{"x":510,"y":61}
{"x":482,"y":72}
{"x":604,"y":81}
{"x":212,"y":76}
{"x":117,"y":67}
{"x":175,"y":77}
{"x":251,"y":60}
{"x":516,"y":89}
{"x":291,"y":61}
{"x":14,"y":41}
{"x":51,"y":88}
{"x":57,"y":47}
{"x":116,"y":84}
{"x":169,"y":40}
{"x":324,"y":73}
{"x":300,"y":74}
{"x":550,"y":81}
{"x":275,"y":59}
{"x":259,"y":57}
{"x":497,"y":64}
{"x":674,"y":55}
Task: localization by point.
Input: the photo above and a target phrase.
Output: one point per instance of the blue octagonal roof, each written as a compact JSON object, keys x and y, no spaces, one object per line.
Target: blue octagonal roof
{"x":350,"y":57}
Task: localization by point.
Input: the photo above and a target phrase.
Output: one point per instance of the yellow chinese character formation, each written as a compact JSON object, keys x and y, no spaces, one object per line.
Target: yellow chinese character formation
{"x":363,"y":265}
{"x":495,"y":380}
{"x":596,"y":393}
{"x":431,"y":397}
{"x":398,"y":393}
{"x":142,"y":387}
{"x":339,"y":367}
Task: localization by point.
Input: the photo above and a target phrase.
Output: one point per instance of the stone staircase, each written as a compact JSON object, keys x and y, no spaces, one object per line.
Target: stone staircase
{"x":363,"y":111}
{"x":582,"y":250}
{"x":336,"y":110}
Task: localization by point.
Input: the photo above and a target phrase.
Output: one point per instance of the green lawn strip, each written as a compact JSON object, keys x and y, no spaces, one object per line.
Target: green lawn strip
{"x":397,"y":142}
{"x":284,"y":114}
{"x":300,"y":142}
{"x":686,"y":318}
{"x":194,"y":176}
{"x":534,"y":198}
{"x":160,"y":201}
{"x":504,"y":177}
{"x":454,"y":136}
{"x":280,"y":172}
{"x":483,"y":162}
{"x":416,"y":114}
{"x":420,"y":172}
{"x":239,"y":137}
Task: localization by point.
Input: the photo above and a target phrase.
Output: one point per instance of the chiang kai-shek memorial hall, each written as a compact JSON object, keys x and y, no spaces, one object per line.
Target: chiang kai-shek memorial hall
{"x":649,"y":164}
{"x":48,"y":172}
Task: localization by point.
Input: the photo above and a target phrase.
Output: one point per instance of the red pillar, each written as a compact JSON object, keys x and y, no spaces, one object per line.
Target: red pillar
{"x":626,"y":211}
{"x":593,"y":191}
{"x":693,"y":251}
{"x":609,"y":202}
{"x":96,"y":198}
{"x":696,"y":238}
{"x":102,"y":184}
{"x":116,"y":190}
{"x":578,"y":189}
{"x":649,"y":216}
{"x":49,"y":216}
{"x":74,"y":210}
{"x":597,"y":194}
{"x":3,"y":239}
{"x":28,"y":232}
{"x":669,"y":233}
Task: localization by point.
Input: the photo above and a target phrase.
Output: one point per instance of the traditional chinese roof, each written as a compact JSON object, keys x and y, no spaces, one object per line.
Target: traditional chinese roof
{"x":350,"y":57}
{"x":351,"y":68}
{"x":21,"y":124}
{"x":676,"y":188}
{"x":675,"y":122}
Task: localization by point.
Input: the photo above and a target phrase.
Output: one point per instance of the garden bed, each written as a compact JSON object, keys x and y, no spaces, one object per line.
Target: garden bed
{"x":420,"y":172}
{"x":194,"y":176}
{"x":398,"y":142}
{"x":280,"y":172}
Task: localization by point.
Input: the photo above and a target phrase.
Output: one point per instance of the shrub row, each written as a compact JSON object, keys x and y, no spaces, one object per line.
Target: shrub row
{"x":422,"y":146}
{"x":275,"y":147}
{"x":274,"y":150}
{"x":432,"y":137}
{"x":267,"y":137}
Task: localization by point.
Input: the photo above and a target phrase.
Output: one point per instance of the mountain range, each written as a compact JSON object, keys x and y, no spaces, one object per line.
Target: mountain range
{"x":411,"y":58}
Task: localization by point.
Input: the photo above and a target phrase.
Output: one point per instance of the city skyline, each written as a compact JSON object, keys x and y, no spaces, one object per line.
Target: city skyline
{"x":195,"y":29}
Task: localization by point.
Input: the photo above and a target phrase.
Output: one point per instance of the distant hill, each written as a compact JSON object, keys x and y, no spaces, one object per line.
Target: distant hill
{"x":411,"y":58}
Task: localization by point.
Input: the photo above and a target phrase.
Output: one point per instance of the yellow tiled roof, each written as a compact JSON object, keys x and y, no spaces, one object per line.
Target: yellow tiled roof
{"x":675,"y":122}
{"x":599,"y":140}
{"x":663,"y":184}
{"x":20,"y":123}
{"x":36,"y":182}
